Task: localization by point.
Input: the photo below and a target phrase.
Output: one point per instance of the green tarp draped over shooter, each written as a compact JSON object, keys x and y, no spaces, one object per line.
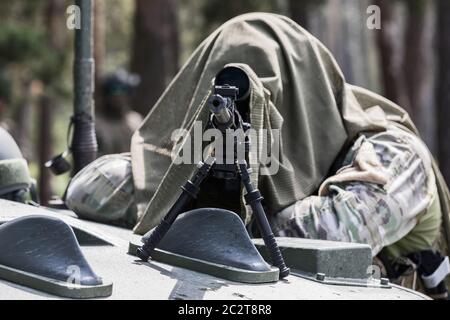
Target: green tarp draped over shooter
{"x":297,"y":87}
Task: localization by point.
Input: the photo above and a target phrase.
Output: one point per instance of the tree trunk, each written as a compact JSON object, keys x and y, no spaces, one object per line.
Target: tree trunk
{"x":391,"y":55}
{"x":299,"y":12}
{"x":414,"y":67}
{"x":45,"y":148}
{"x":443,"y":86}
{"x":24,"y":120}
{"x":99,"y":48}
{"x":418,"y":67}
{"x":155,"y":50}
{"x":55,"y":15}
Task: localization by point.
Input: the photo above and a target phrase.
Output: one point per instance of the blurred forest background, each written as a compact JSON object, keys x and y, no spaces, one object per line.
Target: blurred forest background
{"x":407,"y":60}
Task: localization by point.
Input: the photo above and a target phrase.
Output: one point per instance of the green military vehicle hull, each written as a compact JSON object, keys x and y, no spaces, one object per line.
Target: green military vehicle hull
{"x":106,"y":248}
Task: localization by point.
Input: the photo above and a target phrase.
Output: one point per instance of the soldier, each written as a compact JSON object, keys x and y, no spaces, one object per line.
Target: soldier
{"x":351,"y":164}
{"x":116,"y":122}
{"x":383,"y":194}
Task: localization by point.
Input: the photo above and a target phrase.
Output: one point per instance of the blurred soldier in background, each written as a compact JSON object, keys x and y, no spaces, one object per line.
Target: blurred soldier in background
{"x":115,"y":121}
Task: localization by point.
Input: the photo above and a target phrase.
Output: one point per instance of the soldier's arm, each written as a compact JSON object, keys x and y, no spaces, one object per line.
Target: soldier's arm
{"x":375,"y":199}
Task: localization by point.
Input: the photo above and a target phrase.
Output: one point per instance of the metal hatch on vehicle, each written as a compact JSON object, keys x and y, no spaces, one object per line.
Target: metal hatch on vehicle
{"x":42,"y":252}
{"x":215,"y":242}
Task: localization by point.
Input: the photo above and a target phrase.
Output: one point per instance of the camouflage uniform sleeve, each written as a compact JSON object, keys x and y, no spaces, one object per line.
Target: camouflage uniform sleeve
{"x":357,"y":209}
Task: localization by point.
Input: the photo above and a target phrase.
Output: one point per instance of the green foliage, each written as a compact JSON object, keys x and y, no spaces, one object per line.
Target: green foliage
{"x":24,"y":47}
{"x":24,"y":42}
{"x":20,"y":44}
{"x":27,"y":60}
{"x":22,"y":11}
{"x":118,"y":27}
{"x":201,"y":17}
{"x":417,"y":7}
{"x":217,"y":12}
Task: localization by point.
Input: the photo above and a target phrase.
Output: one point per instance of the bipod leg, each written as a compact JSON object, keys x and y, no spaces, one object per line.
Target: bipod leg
{"x":189,"y":191}
{"x":254,"y":198}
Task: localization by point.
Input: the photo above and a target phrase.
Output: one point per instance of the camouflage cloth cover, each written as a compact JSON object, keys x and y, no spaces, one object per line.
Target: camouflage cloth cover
{"x":296,"y":87}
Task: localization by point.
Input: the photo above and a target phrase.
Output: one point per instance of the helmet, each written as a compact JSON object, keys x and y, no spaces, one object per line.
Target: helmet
{"x":120,"y":82}
{"x":104,"y":191}
{"x":15,"y":180}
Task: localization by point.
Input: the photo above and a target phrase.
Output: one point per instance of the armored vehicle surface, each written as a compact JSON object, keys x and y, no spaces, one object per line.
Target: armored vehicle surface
{"x":106,"y":250}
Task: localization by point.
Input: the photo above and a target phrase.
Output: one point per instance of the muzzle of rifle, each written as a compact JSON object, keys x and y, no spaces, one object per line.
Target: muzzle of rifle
{"x":218,"y":105}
